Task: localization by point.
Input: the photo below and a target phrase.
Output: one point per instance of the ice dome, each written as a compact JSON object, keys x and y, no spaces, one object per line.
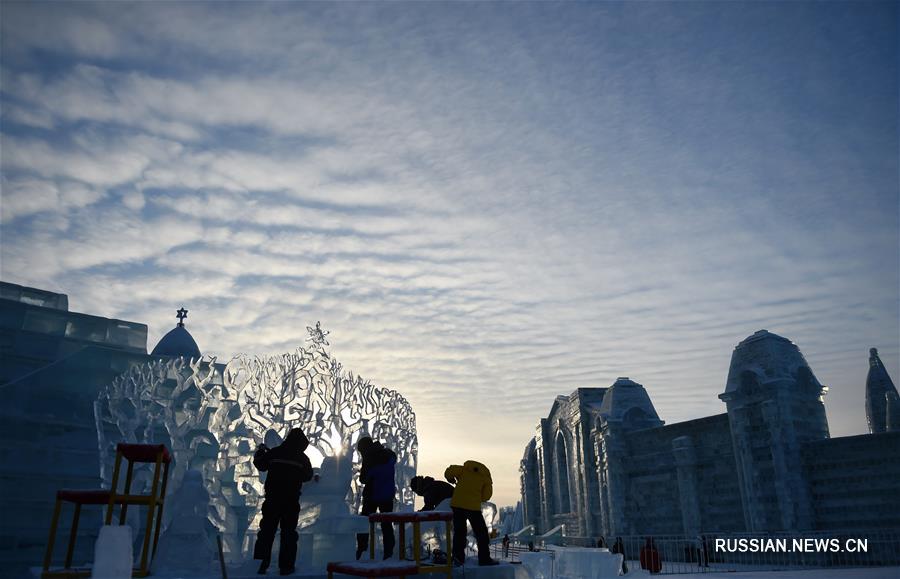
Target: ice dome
{"x":178,"y":342}
{"x":627,"y":402}
{"x":770,"y":358}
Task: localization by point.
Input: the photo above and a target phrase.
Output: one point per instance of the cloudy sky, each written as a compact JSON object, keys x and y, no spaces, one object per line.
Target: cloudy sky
{"x":487,"y":204}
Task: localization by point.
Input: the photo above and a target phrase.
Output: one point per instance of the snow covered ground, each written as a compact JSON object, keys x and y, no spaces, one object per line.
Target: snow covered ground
{"x":509,"y":571}
{"x":860,"y":573}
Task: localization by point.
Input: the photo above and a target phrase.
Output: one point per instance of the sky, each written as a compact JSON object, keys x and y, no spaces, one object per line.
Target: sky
{"x":487,"y":204}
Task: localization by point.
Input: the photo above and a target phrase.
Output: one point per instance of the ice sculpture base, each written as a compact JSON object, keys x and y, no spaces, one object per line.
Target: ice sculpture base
{"x":331,"y":539}
{"x":113,"y":553}
{"x":473,"y":571}
{"x":585,"y":563}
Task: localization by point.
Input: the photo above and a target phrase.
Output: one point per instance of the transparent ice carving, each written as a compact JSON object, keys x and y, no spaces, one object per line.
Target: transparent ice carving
{"x":187,"y":545}
{"x":214,"y":416}
{"x":327,"y":529}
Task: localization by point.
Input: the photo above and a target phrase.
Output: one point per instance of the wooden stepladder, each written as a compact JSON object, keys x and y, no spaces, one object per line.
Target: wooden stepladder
{"x":156,"y":454}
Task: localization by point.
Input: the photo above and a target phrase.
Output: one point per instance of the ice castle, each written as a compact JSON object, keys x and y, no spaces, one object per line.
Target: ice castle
{"x":603,"y":463}
{"x":75,"y":384}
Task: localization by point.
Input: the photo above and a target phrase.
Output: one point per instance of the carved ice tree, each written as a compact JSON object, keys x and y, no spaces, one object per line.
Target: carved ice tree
{"x":213,"y":417}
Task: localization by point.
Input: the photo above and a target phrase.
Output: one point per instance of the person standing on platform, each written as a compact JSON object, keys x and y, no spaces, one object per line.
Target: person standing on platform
{"x":473,"y":486}
{"x":377,"y":475}
{"x":288,"y":468}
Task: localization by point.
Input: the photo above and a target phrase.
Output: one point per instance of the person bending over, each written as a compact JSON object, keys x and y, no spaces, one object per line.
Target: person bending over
{"x":473,"y":486}
{"x":434,"y":492}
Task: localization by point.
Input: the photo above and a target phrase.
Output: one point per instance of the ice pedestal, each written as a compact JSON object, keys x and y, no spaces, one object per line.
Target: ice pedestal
{"x":585,"y":563}
{"x":327,"y":529}
{"x":113,"y":553}
{"x":333,"y":539}
{"x":186,"y":545}
{"x":538,"y":565}
{"x":473,"y":571}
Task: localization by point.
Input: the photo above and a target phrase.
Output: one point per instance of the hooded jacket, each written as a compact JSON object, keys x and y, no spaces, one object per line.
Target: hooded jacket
{"x":287,"y":465}
{"x":473,"y":485}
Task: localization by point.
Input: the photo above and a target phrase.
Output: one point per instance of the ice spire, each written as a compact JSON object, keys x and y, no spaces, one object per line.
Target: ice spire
{"x":880,"y":387}
{"x":892,"y":402}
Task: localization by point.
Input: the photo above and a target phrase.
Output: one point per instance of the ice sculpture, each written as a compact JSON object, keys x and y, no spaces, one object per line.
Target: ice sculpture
{"x":537,"y":565}
{"x":113,"y":553}
{"x":213,"y":417}
{"x":325,"y":495}
{"x":186,"y":545}
{"x":433,"y":535}
{"x":583,"y":562}
{"x":327,"y":529}
{"x":491,"y":515}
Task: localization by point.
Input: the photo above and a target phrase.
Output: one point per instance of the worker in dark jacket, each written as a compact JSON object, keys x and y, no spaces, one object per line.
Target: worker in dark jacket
{"x":288,"y":468}
{"x":433,"y":491}
{"x":377,"y":476}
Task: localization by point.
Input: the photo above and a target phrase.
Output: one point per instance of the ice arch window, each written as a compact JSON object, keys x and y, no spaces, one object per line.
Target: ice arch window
{"x":563,"y":497}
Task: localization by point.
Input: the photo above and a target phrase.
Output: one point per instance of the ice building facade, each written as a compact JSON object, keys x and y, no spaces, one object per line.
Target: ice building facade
{"x":603,"y":463}
{"x":52,"y":363}
{"x":75,"y":384}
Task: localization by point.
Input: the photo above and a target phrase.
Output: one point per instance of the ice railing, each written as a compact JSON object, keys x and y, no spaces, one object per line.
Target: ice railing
{"x":213,"y":417}
{"x":725,"y":552}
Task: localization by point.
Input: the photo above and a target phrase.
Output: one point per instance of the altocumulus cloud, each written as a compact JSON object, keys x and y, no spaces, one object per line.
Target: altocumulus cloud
{"x":487,"y":205}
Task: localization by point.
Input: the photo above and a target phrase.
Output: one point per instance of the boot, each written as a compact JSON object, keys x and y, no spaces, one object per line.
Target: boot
{"x":263,"y":567}
{"x":488,"y":563}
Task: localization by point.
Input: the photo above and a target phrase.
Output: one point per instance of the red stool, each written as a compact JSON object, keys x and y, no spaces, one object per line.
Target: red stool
{"x":78,"y":498}
{"x":373,"y":569}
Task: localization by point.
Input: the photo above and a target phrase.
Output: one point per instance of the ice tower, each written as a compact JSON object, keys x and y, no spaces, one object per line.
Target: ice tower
{"x":626,"y":407}
{"x":775,"y":405}
{"x":882,"y":408}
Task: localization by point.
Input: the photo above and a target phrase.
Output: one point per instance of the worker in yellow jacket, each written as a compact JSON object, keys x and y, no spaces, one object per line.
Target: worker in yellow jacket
{"x":473,"y":486}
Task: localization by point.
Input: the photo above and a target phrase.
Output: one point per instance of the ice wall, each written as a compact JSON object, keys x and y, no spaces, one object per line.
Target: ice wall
{"x":213,"y":416}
